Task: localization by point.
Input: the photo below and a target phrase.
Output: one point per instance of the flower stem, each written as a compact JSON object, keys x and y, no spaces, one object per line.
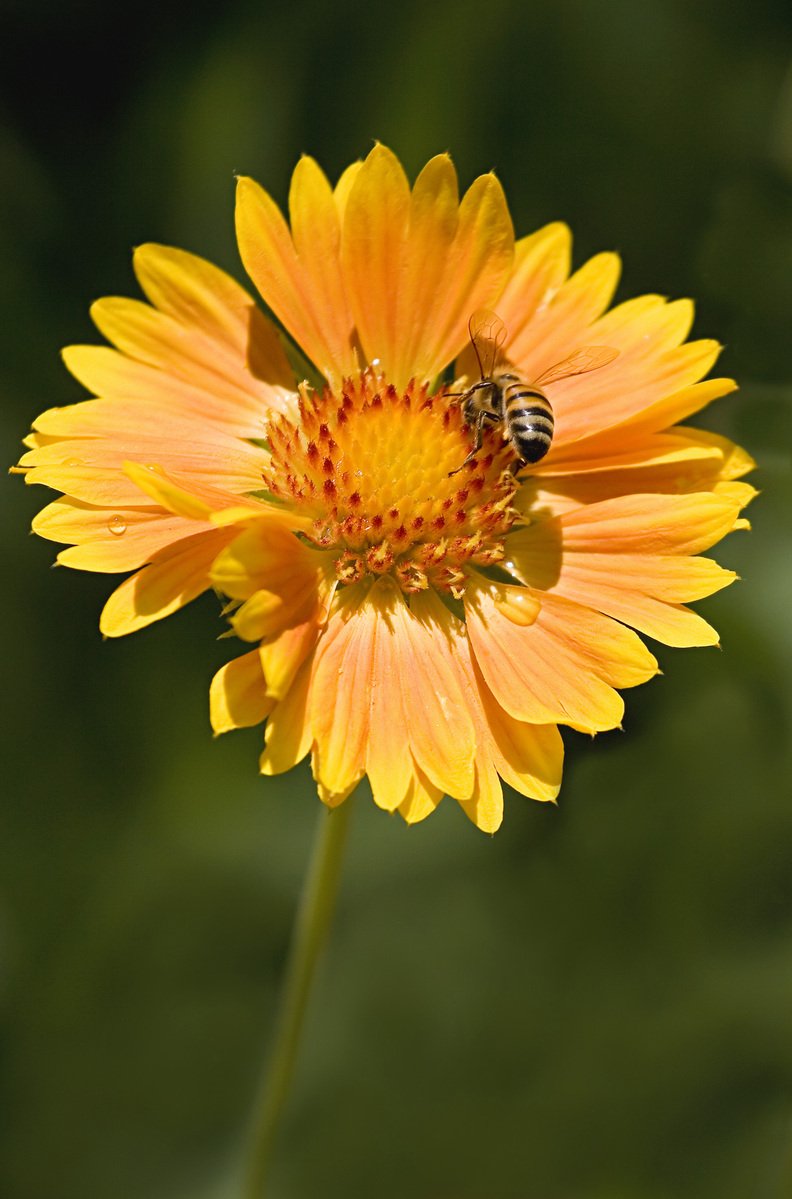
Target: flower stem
{"x":311,"y":926}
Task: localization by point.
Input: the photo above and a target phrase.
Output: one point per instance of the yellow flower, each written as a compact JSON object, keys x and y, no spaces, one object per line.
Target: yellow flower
{"x":424,"y":625}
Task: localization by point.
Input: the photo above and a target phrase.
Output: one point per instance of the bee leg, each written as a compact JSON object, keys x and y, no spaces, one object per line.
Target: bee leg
{"x":477,"y":436}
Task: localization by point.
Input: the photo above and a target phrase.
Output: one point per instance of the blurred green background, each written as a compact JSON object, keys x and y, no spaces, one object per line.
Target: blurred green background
{"x":597,"y":1002}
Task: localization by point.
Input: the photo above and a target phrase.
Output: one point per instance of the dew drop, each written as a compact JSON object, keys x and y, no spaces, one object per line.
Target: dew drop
{"x":74,"y":462}
{"x":117,"y":526}
{"x":518,"y":605}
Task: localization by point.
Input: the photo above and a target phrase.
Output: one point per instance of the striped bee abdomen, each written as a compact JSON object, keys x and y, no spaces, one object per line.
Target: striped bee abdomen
{"x":528,"y":419}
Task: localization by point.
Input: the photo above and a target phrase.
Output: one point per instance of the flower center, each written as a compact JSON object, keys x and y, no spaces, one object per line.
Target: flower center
{"x":372,"y":468}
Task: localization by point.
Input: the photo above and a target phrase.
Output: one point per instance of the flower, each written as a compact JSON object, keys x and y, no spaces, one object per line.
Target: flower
{"x":418,"y":615}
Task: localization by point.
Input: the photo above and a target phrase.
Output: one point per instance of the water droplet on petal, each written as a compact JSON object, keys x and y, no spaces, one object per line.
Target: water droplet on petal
{"x":117,"y":526}
{"x":518,"y":605}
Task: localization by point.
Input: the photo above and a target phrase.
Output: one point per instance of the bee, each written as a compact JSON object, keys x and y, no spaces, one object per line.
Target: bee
{"x":503,"y":397}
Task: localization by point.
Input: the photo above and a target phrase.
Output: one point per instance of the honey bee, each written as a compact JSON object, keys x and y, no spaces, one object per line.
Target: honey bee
{"x":502,"y":397}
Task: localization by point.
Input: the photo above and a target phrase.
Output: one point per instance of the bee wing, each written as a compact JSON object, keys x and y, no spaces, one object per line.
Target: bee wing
{"x":589,"y":358}
{"x":487,"y":335}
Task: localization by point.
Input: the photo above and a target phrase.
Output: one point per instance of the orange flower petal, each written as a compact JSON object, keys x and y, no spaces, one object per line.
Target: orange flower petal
{"x":287,"y":589}
{"x":431,"y":226}
{"x":437,"y":723}
{"x":389,"y":763}
{"x":651,"y":524}
{"x":561,"y":669}
{"x":680,"y":461}
{"x":477,"y":268}
{"x":266,"y":613}
{"x":417,"y":265}
{"x":627,"y":404}
{"x":630,"y":559}
{"x":442,"y":736}
{"x":237,"y":695}
{"x":484,"y":806}
{"x":97,"y":486}
{"x":211,"y":305}
{"x":342,"y":679}
{"x":528,"y":756}
{"x":678,"y":448}
{"x":208,"y":351}
{"x":683,"y":403}
{"x":155,"y":483}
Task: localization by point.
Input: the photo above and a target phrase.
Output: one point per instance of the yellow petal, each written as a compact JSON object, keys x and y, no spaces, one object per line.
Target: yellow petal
{"x":108,"y":540}
{"x":485,"y":806}
{"x":373,"y":249}
{"x":112,"y":375}
{"x":288,"y":735}
{"x":560,"y":324}
{"x":265,"y":557}
{"x":432,"y":224}
{"x":269,"y":256}
{"x":541,"y":265}
{"x":209,"y":303}
{"x":316,"y":230}
{"x":100,"y":486}
{"x":283,"y":653}
{"x":529,"y":757}
{"x":421,"y":800}
{"x":175,"y":499}
{"x":175,"y":576}
{"x":161,"y":341}
{"x":479,"y":263}
{"x":344,"y":187}
{"x":680,"y":461}
{"x":237,"y":696}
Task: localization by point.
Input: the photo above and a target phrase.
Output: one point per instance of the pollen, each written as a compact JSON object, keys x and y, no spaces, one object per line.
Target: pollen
{"x":376,"y":469}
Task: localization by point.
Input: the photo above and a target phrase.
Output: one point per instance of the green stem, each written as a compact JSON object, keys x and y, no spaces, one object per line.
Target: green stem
{"x":309,"y":934}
